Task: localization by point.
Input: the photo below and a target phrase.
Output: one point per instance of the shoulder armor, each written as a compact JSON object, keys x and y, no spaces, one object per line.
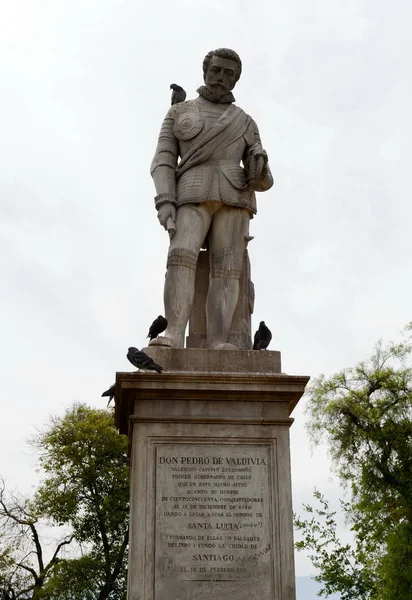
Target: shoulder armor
{"x":188,"y":122}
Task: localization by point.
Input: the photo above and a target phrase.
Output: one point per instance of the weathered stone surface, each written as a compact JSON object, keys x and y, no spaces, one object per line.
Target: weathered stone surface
{"x":207,"y":199}
{"x":240,"y":334}
{"x":206,"y":360}
{"x":211,"y":508}
{"x":214,"y":520}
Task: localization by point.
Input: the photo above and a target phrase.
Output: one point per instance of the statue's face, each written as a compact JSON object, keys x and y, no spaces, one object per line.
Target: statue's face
{"x":220,"y":78}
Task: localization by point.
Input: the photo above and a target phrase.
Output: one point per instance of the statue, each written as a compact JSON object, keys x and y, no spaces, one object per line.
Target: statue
{"x":207,"y":198}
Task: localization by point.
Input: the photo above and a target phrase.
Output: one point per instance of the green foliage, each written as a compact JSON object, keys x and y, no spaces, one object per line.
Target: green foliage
{"x":86,"y":485}
{"x":85,"y":488}
{"x":365,"y":414}
{"x":7,"y":564}
{"x":24,"y":568}
{"x":344,"y":568}
{"x":395,"y":567}
{"x":77,"y":578}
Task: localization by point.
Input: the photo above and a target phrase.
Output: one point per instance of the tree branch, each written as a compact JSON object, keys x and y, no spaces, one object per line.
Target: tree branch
{"x":59,"y":547}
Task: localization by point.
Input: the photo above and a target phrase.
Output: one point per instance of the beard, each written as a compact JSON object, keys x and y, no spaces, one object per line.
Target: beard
{"x":208,"y":94}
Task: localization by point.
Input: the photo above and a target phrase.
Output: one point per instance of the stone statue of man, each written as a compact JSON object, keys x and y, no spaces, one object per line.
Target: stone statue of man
{"x":207,"y":197}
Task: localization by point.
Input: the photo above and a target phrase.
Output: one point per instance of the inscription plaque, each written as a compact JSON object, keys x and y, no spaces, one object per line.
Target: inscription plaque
{"x":213,"y":527}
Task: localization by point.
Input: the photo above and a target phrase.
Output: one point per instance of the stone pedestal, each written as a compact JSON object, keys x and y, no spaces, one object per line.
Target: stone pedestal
{"x":211,"y":506}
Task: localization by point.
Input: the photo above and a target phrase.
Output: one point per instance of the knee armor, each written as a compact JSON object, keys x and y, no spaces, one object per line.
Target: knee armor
{"x":181,"y":257}
{"x":227,"y":264}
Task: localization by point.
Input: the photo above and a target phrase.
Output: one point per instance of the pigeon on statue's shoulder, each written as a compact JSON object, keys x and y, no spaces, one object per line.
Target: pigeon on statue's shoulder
{"x":178,"y":94}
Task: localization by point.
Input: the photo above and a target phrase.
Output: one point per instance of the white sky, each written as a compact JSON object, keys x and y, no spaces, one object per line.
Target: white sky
{"x":84,"y":88}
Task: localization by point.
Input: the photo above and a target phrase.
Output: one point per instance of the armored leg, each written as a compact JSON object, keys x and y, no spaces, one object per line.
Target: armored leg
{"x":230,"y":229}
{"x":192,"y":224}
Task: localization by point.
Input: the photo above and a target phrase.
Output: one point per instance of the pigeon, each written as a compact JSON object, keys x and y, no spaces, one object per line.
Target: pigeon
{"x":110,"y":393}
{"x":141,"y":360}
{"x":262,"y":337}
{"x":178,"y":94}
{"x":158,"y":326}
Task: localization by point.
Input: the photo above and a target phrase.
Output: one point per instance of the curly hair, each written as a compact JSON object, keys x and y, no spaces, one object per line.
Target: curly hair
{"x":223,"y":53}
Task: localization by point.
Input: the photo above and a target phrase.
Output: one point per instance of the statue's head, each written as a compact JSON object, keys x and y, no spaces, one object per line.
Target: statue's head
{"x":221,"y":70}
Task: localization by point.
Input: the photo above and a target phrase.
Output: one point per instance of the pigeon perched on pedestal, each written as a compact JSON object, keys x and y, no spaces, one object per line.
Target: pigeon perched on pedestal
{"x":262,"y":337}
{"x":157,"y":327}
{"x":110,"y":393}
{"x":178,"y":94}
{"x":141,"y":360}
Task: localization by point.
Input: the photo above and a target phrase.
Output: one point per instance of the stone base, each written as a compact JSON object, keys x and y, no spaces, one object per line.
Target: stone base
{"x":161,"y":341}
{"x":206,"y":360}
{"x":211,"y":506}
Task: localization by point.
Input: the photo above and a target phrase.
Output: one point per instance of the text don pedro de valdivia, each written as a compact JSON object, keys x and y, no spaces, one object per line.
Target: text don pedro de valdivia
{"x":211,"y":460}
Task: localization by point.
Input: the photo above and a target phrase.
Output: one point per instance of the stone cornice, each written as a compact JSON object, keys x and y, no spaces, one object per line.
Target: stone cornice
{"x":173,"y":386}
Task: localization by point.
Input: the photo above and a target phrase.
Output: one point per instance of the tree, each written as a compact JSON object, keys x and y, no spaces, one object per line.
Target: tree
{"x":24,"y":569}
{"x":344,"y":568}
{"x":365,"y":413}
{"x":86,"y":485}
{"x":85,"y":488}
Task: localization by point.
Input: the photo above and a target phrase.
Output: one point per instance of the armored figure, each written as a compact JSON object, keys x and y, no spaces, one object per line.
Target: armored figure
{"x":207,"y":197}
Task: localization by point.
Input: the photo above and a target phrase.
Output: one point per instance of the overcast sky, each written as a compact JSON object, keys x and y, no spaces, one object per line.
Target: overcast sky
{"x":84,"y":88}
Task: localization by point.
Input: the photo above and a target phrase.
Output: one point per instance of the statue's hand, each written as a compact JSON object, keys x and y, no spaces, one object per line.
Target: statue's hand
{"x":165,"y":211}
{"x":261,"y":159}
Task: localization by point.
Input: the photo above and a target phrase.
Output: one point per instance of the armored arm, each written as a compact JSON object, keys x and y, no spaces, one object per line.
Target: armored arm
{"x":164,"y":163}
{"x":255,"y":161}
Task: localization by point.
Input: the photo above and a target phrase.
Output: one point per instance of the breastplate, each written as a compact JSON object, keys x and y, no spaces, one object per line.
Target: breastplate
{"x":212,"y":114}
